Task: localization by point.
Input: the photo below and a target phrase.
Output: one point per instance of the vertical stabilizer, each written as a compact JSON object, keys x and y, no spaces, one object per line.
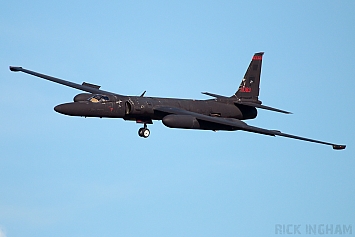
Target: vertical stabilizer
{"x":249,"y":87}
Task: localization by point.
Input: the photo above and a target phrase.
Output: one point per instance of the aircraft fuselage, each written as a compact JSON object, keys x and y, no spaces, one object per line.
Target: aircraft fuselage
{"x":142,"y":108}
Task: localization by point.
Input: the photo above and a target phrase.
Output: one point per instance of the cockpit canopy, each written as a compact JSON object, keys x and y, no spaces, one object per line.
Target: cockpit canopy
{"x":99,"y":98}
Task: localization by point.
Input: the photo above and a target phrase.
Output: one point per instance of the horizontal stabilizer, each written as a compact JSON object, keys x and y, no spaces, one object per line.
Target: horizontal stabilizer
{"x":214,"y":95}
{"x":262,"y":107}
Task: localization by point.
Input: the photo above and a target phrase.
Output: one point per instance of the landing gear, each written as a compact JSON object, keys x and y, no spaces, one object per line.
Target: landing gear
{"x":144,"y":132}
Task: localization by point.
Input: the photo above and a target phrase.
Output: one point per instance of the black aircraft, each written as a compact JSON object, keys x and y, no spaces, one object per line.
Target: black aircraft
{"x":220,"y":113}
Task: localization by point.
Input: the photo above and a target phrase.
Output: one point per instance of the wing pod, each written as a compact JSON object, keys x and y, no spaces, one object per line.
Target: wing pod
{"x":186,"y":121}
{"x":181,"y":121}
{"x":90,"y":85}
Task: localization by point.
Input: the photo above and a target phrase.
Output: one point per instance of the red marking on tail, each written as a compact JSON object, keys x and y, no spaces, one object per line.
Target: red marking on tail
{"x":256,"y":57}
{"x":245,"y":89}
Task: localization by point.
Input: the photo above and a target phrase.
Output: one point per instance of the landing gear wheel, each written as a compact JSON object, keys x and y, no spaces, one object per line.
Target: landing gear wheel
{"x":140,"y":132}
{"x":146,"y":132}
{"x":143,"y":132}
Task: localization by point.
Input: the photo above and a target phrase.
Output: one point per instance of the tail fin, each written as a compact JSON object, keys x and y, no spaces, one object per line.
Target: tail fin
{"x":249,"y":87}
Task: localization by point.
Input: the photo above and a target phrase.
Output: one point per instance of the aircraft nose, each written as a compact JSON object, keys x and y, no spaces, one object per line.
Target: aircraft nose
{"x":63,"y":108}
{"x":68,"y":109}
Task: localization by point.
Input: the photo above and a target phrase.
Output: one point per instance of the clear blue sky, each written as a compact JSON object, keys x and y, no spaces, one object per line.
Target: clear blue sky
{"x":67,"y":176}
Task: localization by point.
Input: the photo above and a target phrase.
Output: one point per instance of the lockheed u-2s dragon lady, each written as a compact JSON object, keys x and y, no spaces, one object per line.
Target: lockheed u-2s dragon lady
{"x":220,"y":113}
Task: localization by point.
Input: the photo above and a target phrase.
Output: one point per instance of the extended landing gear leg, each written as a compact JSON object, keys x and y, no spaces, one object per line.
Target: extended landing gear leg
{"x":144,"y":132}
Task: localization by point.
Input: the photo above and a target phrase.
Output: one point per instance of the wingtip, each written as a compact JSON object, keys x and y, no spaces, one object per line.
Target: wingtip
{"x":15,"y":69}
{"x":339,"y":147}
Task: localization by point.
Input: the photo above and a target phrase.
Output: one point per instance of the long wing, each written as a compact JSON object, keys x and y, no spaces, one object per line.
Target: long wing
{"x":236,"y":124}
{"x":84,"y":87}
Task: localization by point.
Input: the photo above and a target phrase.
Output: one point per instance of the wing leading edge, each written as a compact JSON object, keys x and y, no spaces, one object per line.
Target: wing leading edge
{"x":235,"y":124}
{"x":84,"y":87}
